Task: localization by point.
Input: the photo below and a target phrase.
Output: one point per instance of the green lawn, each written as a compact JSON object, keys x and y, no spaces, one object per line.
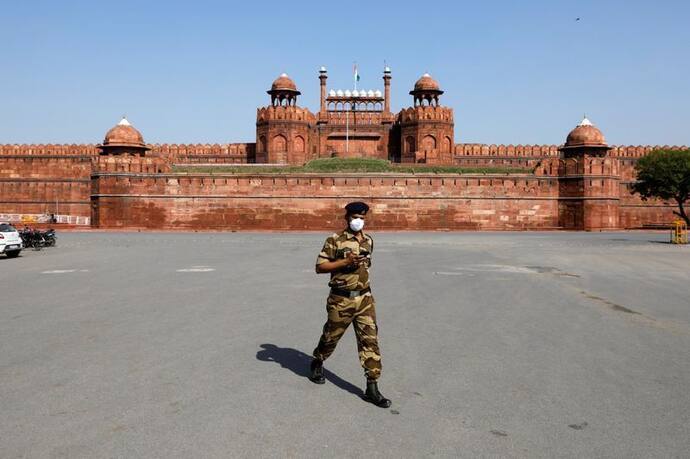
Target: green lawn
{"x":329,"y":165}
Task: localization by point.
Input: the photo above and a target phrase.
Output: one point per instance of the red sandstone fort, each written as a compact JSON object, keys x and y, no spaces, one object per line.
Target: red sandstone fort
{"x":583,"y":184}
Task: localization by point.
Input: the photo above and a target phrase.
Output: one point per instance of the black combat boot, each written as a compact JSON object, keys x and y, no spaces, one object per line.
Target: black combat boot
{"x":374,"y":396}
{"x":316,"y":375}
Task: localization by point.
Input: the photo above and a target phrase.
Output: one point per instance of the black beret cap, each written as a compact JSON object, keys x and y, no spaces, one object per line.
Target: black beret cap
{"x":357,"y":208}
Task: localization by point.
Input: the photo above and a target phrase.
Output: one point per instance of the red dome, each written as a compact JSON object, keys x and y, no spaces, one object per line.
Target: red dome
{"x":585,"y":134}
{"x":125,"y":135}
{"x":426,"y":83}
{"x":283,"y":83}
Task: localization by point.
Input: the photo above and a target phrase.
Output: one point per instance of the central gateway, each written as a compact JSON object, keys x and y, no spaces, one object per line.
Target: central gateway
{"x":354,"y":124}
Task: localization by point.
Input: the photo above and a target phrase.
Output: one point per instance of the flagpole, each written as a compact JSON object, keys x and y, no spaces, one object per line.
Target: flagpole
{"x":347,"y":131}
{"x":347,"y":113}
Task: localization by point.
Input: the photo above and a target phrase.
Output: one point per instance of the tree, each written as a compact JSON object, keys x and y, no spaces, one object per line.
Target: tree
{"x":665,"y":174}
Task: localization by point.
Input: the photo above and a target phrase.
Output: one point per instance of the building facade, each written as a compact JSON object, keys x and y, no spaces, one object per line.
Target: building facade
{"x":123,"y":182}
{"x":354,"y":124}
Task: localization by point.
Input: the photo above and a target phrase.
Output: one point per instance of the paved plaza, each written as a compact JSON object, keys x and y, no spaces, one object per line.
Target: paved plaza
{"x":191,"y":345}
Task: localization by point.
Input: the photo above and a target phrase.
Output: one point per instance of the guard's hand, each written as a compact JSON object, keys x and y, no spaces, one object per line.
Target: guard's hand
{"x":352,"y":259}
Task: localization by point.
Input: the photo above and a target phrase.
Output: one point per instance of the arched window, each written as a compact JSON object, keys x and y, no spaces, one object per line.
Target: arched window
{"x":299,"y":144}
{"x":429,"y":143}
{"x":410,"y":145}
{"x":447,"y":145}
{"x":279,"y":143}
{"x":262,"y":143}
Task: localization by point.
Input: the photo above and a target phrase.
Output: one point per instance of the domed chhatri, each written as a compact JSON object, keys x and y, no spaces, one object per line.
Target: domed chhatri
{"x":123,"y":134}
{"x":284,"y":91}
{"x":585,"y":134}
{"x":426,"y":91}
{"x":427,"y":83}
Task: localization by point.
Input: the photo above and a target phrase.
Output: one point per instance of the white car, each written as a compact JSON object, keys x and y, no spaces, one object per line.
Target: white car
{"x":10,"y":242}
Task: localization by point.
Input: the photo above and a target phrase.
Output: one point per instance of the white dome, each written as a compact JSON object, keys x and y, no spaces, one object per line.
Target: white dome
{"x":124,"y":122}
{"x":370,"y":93}
{"x":387,"y":69}
{"x":340,"y":93}
{"x":331,"y":93}
{"x":377,"y":93}
{"x":585,"y":122}
{"x":348,"y":93}
{"x":355,"y":93}
{"x":322,"y":69}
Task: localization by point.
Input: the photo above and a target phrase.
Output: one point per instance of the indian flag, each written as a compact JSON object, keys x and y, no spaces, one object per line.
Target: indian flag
{"x":356,"y":73}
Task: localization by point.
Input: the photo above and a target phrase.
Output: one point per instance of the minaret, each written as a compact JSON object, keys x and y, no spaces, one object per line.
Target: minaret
{"x":387,"y":90}
{"x":323,"y":76}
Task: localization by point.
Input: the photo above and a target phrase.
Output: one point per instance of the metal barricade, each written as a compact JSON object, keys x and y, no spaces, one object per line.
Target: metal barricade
{"x":679,"y":232}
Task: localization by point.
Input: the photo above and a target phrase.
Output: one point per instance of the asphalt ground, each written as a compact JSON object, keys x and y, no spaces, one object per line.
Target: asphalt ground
{"x":194,"y":345}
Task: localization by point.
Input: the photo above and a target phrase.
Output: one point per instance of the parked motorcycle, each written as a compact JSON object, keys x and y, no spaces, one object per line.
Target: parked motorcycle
{"x":50,"y":237}
{"x":36,"y":239}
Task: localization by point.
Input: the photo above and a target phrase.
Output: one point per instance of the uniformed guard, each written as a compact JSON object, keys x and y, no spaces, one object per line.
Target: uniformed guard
{"x":347,"y":257}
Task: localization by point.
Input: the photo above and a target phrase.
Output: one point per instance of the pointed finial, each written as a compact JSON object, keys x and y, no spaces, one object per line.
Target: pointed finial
{"x":123,"y":121}
{"x":585,"y":121}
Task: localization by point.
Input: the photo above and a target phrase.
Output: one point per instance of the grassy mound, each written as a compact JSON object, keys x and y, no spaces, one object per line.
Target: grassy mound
{"x":360,"y":165}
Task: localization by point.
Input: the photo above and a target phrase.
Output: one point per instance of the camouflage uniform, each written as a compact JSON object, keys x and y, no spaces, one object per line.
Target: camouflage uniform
{"x":359,"y":310}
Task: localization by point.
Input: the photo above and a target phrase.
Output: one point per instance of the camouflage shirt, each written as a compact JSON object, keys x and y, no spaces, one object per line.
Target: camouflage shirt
{"x":336,"y":247}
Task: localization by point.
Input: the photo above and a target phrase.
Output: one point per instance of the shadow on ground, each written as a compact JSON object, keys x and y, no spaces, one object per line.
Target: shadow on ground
{"x":298,"y":362}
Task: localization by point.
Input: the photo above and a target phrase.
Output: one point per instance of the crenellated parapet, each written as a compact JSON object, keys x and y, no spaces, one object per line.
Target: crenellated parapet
{"x":578,"y":167}
{"x":228,"y":153}
{"x":493,"y":150}
{"x":638,"y":151}
{"x":49,"y":149}
{"x":128,"y":163}
{"x":425,"y":113}
{"x":289,"y":113}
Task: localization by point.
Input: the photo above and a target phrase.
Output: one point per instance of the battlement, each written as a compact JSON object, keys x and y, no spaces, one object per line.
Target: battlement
{"x":423,"y":113}
{"x":530,"y":151}
{"x":131,"y":164}
{"x":49,"y":149}
{"x":328,"y":185}
{"x":289,"y":113}
{"x":229,"y":153}
{"x":45,"y":166}
{"x":630,"y":151}
{"x":589,"y":166}
{"x":541,"y":151}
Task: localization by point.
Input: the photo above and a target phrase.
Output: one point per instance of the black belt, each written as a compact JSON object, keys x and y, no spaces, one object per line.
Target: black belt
{"x":349,"y":293}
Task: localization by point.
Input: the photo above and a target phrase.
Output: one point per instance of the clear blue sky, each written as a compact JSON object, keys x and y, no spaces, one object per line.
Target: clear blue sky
{"x":187,"y":72}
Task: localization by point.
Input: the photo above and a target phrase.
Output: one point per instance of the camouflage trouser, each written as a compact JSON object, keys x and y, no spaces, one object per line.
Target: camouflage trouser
{"x":362,"y":312}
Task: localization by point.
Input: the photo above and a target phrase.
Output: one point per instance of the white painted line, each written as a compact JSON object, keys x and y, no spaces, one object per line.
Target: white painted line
{"x":59,"y":271}
{"x":195,"y":270}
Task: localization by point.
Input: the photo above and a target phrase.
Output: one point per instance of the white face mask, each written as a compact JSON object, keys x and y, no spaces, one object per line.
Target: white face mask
{"x":356,"y":224}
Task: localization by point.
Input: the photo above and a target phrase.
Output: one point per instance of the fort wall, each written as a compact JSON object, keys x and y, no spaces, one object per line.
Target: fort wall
{"x":307,"y":202}
{"x":56,"y":182}
{"x":141,"y":191}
